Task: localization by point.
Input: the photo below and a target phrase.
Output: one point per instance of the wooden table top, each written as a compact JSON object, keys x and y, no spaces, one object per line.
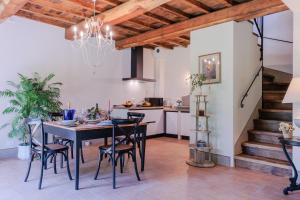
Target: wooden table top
{"x":85,"y":127}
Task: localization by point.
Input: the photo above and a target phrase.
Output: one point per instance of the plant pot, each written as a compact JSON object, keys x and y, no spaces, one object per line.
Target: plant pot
{"x":23,"y":151}
{"x":287,"y":134}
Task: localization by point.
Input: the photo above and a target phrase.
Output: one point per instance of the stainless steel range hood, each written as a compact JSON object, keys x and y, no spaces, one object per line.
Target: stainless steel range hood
{"x":137,"y":66}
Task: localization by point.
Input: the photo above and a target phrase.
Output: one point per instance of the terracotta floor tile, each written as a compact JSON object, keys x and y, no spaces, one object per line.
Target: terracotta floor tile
{"x":166,"y":177}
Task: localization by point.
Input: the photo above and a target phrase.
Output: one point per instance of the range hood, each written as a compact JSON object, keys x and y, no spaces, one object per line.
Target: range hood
{"x":137,"y":66}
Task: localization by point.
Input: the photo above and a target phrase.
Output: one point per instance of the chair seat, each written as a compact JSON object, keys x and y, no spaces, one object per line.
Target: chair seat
{"x":119,"y":147}
{"x":56,"y":147}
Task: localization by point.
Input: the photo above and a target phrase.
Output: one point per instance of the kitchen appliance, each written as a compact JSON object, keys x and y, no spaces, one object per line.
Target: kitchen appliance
{"x":137,"y":66}
{"x":155,"y":101}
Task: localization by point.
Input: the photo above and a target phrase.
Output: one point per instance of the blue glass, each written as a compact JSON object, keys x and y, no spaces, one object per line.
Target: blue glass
{"x":69,"y":114}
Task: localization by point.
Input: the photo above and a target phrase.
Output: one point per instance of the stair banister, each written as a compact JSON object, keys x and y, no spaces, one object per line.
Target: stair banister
{"x":261,"y":35}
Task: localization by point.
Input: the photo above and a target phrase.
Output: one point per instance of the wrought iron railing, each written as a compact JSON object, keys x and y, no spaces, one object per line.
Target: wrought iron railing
{"x":260,"y":30}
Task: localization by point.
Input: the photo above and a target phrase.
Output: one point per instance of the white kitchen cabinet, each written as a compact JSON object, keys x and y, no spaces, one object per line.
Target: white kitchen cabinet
{"x":187,"y":124}
{"x":153,"y":115}
{"x":179,"y":123}
{"x":171,"y":125}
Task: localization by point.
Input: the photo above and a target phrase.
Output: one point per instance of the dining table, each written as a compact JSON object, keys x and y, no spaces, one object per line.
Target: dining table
{"x":83,"y":132}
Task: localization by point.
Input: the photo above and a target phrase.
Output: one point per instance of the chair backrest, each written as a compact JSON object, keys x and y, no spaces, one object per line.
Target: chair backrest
{"x":125,"y":127}
{"x":36,"y":132}
{"x":134,"y":115}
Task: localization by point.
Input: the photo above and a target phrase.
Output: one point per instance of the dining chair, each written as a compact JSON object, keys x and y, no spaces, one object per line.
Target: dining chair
{"x":43,"y":151}
{"x":118,"y":148}
{"x":64,"y":141}
{"x":139,"y":117}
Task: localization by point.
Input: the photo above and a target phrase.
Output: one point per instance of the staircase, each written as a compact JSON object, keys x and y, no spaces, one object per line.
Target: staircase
{"x":263,"y":152}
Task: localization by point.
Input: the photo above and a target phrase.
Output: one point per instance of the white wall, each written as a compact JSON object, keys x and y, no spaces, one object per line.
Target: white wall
{"x":176,"y":71}
{"x":246,"y":65}
{"x":294,"y":5}
{"x":278,"y":55}
{"x":296,"y":73}
{"x":240,"y":61}
{"x":220,"y":96}
{"x":28,"y":46}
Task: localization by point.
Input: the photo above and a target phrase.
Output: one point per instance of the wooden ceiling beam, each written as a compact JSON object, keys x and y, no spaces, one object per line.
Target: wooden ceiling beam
{"x":264,"y":12}
{"x":10,"y":7}
{"x":159,"y":18}
{"x":130,"y":29}
{"x":27,"y":15}
{"x":112,"y":2}
{"x":177,"y":43}
{"x":83,"y":5}
{"x":58,"y":7}
{"x":254,"y":7}
{"x":164,"y":45}
{"x":175,"y":11}
{"x":202,"y":7}
{"x":38,"y":14}
{"x":121,"y":13}
{"x":149,"y":46}
{"x":140,"y":23}
{"x":229,"y":3}
{"x":184,"y":38}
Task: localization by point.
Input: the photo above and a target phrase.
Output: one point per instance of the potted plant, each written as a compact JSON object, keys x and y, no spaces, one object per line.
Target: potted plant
{"x":196,"y":81}
{"x":286,"y":129}
{"x":32,"y":97}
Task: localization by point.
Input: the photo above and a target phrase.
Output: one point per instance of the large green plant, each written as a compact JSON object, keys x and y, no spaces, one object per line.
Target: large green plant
{"x":31,"y":97}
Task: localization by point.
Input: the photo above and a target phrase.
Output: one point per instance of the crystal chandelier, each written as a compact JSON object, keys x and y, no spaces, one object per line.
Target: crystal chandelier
{"x":93,"y":33}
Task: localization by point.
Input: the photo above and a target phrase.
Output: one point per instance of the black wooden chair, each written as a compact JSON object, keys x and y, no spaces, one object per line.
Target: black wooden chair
{"x":139,"y":117}
{"x":44,"y":151}
{"x":64,"y":141}
{"x":119,"y":148}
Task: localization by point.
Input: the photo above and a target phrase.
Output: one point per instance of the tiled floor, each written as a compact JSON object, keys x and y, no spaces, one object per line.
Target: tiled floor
{"x":166,"y":177}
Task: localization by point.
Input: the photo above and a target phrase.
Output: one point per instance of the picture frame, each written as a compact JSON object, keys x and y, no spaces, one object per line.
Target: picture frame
{"x":210,"y":66}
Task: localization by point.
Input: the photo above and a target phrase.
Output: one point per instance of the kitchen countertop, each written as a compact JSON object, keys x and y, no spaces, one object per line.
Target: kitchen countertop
{"x":174,"y":109}
{"x":166,"y":109}
{"x":139,"y":107}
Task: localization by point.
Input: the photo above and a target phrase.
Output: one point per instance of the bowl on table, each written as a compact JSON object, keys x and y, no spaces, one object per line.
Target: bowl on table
{"x":68,"y":122}
{"x":93,"y":121}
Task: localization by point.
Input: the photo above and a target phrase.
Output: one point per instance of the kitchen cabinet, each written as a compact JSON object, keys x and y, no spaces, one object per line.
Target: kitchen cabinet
{"x":187,"y":124}
{"x":171,"y":123}
{"x":179,"y":123}
{"x":154,"y":115}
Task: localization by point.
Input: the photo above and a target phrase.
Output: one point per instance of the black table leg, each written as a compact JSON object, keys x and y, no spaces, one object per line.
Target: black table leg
{"x":77,"y":143}
{"x":46,"y":142}
{"x":293,"y":185}
{"x":143,"y":150}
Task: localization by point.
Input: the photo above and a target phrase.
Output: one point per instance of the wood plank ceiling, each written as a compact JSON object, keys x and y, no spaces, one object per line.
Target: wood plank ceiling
{"x":154,"y":24}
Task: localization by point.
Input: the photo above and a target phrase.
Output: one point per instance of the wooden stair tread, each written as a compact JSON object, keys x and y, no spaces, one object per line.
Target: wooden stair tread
{"x":265,"y":161}
{"x":276,"y":83}
{"x":266,"y":146}
{"x":277,"y":110}
{"x":271,"y":121}
{"x":268,"y":75}
{"x":275,"y":91}
{"x":273,"y":100}
{"x":262,"y":132}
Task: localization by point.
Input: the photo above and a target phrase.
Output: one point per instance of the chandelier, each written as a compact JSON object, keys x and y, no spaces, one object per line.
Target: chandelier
{"x":93,"y":32}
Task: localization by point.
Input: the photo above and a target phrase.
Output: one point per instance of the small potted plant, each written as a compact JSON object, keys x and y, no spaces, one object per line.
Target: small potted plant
{"x":286,"y":129}
{"x":32,"y":97}
{"x":196,"y":81}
